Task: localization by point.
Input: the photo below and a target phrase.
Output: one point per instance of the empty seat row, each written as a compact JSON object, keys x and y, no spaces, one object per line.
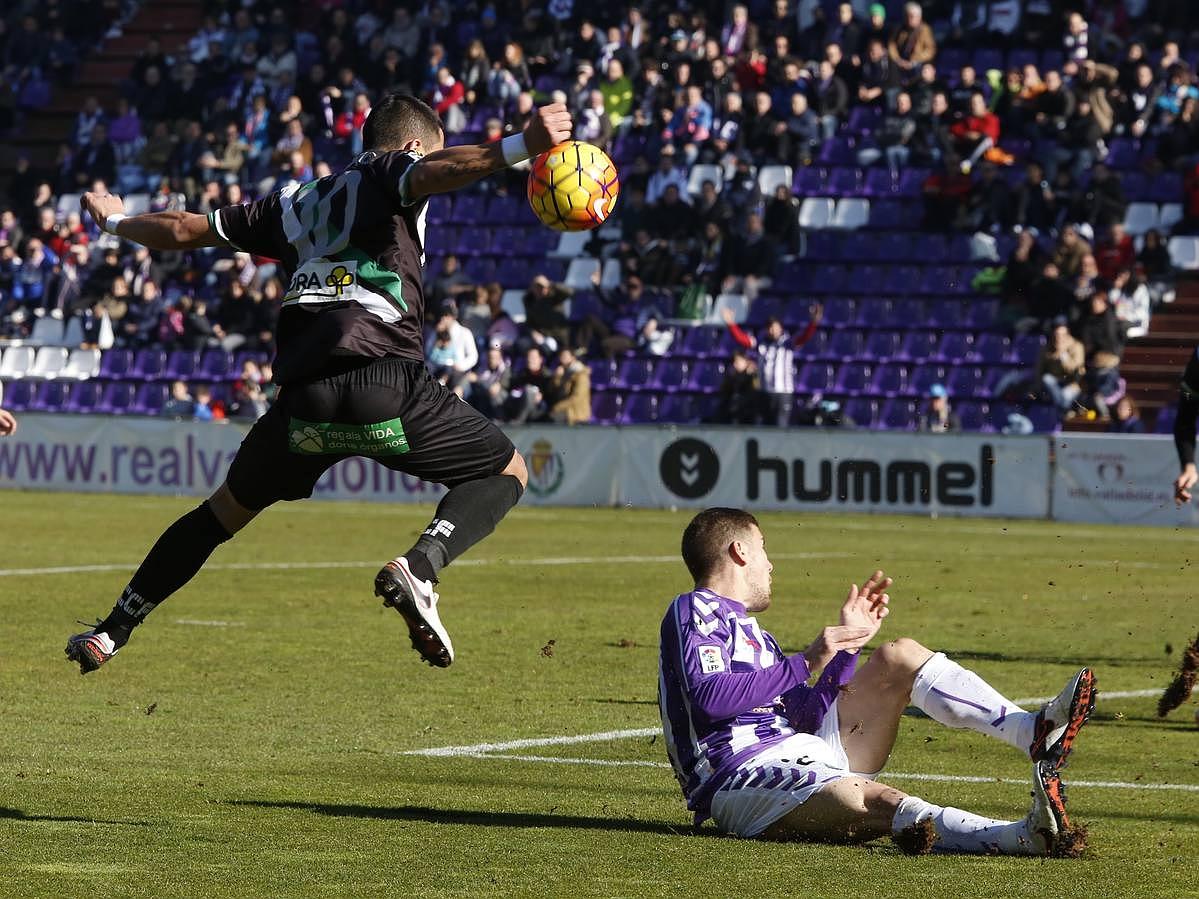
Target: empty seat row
{"x":49,"y":362}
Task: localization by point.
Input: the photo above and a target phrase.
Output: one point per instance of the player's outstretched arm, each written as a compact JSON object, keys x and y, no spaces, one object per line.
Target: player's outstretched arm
{"x":156,"y":230}
{"x":453,"y":168}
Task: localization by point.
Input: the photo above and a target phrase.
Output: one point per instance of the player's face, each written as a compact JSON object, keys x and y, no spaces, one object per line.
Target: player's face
{"x":757,"y":571}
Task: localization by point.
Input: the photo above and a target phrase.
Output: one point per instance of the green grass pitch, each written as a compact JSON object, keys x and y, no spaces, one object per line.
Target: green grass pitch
{"x":252,"y":739}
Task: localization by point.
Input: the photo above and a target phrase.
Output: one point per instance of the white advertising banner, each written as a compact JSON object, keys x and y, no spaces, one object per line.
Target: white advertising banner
{"x":809,"y":470}
{"x":101,"y":454}
{"x":1119,"y":480}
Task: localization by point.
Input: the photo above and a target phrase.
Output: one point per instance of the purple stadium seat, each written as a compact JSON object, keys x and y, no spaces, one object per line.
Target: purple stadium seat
{"x":845,"y":182}
{"x":51,"y":396}
{"x":1019,"y":57}
{"x":893,"y":247}
{"x":117,"y":398}
{"x":816,"y":348}
{"x":150,"y":398}
{"x":986,"y":59}
{"x":838,"y":150}
{"x":509,"y":211}
{"x":817,"y":377}
{"x":678,"y":408}
{"x":983,"y":312}
{"x":822,"y":246}
{"x":862,"y":412}
{"x":973,"y":415}
{"x":148,"y":365}
{"x":951,"y":59}
{"x":606,"y":407}
{"x":1052,"y":60}
{"x":845,"y":345}
{"x":883,"y":345}
{"x":635,"y":373}
{"x":241,"y":357}
{"x":911,"y":182}
{"x":1123,"y":153}
{"x":702,"y":341}
{"x":1136,"y":186}
{"x":706,"y":376}
{"x":890,"y":379}
{"x":920,"y":345}
{"x":886,"y":214}
{"x":839,"y":313}
{"x":116,"y":363}
{"x":879,"y":183}
{"x":441,"y":241}
{"x":864,"y":119}
{"x":810,"y":181}
{"x":469,"y":209}
{"x":832,"y":279}
{"x":949,"y":315}
{"x":905,"y":314}
{"x":763,"y":308}
{"x":868,"y":280}
{"x":1045,"y":419}
{"x":898,"y":415}
{"x":854,"y":378}
{"x":603,"y":373}
{"x":1165,"y":419}
{"x":1027,"y":349}
{"x":966,"y":381}
{"x":18,"y":395}
{"x":85,"y":396}
{"x":640,"y":408}
{"x":992,"y":349}
{"x":514,"y":273}
{"x":439,"y":209}
{"x":1166,"y":188}
{"x":956,"y":346}
{"x":216,"y":364}
{"x":473,"y":241}
{"x":924,"y":377}
{"x":670,"y":374}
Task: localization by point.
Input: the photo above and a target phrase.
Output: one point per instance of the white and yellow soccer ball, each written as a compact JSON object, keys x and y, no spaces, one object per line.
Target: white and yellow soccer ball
{"x":573,"y":186}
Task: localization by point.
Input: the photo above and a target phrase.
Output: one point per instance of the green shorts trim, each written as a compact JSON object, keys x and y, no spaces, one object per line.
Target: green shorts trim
{"x":322,"y":438}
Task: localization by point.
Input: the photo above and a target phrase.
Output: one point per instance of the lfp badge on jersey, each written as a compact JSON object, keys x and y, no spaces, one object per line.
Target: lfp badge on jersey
{"x":710,"y":660}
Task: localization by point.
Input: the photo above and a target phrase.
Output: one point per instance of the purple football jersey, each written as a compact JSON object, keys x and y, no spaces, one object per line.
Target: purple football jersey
{"x":726,"y":692}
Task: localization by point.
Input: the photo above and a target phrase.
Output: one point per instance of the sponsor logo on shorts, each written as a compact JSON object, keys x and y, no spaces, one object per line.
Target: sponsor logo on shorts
{"x":710,"y":660}
{"x":385,"y":438}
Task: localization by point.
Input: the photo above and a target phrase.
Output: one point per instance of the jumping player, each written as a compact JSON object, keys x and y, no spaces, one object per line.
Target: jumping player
{"x":350,"y":363}
{"x":763,"y":754}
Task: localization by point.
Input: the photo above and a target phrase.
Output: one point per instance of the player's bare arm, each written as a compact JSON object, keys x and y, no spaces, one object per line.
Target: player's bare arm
{"x":453,"y":168}
{"x":156,"y":230}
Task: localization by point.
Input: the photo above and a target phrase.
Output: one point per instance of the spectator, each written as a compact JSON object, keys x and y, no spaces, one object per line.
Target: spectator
{"x":489,"y":385}
{"x":543,"y":309}
{"x":1154,"y":261}
{"x":180,"y":404}
{"x":666,"y":174}
{"x":450,"y":284}
{"x":776,"y":355}
{"x":203,"y":408}
{"x":1127,"y":419}
{"x":803,"y":131}
{"x":739,"y":392}
{"x":976,"y":133}
{"x":1076,"y":41}
{"x":529,"y":389}
{"x":750,"y":261}
{"x":1115,"y":252}
{"x":894,"y":137}
{"x":832,"y":99}
{"x":617,"y":91}
{"x":879,"y":81}
{"x":593,"y":124}
{"x":912,"y":43}
{"x":781,"y":220}
{"x":569,"y":395}
{"x":1061,"y":366}
{"x":1132,"y":302}
{"x":938,"y":417}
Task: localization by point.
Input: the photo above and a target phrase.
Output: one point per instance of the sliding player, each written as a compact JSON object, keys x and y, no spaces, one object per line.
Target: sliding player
{"x":763,"y":754}
{"x":350,"y":363}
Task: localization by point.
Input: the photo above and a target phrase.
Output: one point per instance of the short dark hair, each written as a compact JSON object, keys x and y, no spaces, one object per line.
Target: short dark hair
{"x":397,"y":119}
{"x":708,"y":536}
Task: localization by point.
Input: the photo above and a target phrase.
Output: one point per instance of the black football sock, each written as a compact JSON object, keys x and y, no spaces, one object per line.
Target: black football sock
{"x":180,"y":552}
{"x":465,"y":515}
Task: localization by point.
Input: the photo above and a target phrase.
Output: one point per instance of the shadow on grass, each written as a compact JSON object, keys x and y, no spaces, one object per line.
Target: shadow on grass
{"x":480,"y":818}
{"x":13,"y":814}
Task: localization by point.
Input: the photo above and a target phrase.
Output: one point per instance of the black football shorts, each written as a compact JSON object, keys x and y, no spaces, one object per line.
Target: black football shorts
{"x":390,"y":410}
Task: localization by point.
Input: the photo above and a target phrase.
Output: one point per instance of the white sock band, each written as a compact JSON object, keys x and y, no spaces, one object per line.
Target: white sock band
{"x":110,"y":223}
{"x":514,"y":149}
{"x":957,"y":697}
{"x":961,"y":831}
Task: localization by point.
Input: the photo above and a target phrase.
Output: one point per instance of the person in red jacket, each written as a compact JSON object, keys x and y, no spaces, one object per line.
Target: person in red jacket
{"x":1115,"y":252}
{"x":976,"y":133}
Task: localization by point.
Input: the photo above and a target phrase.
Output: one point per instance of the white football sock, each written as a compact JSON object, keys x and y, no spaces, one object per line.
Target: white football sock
{"x":956,"y":697}
{"x":959,"y":831}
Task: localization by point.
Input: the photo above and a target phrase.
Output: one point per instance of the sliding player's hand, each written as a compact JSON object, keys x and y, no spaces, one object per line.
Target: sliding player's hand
{"x":835,"y":639}
{"x":550,"y":126}
{"x":867,"y":607}
{"x":101,"y":206}
{"x":1183,"y":484}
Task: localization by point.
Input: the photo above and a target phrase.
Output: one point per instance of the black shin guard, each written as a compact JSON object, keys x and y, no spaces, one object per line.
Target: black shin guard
{"x":180,"y":552}
{"x":465,"y":515}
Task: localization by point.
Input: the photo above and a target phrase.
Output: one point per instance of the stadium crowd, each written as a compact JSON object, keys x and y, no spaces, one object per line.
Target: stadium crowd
{"x":1025,"y":124}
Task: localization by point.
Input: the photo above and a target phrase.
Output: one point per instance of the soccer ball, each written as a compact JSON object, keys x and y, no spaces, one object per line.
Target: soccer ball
{"x":573,"y":186}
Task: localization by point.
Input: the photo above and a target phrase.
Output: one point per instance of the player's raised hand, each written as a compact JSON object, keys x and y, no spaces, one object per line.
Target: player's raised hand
{"x":550,"y":126}
{"x":8,"y":423}
{"x":867,"y":607}
{"x":1183,"y":484}
{"x":101,"y":206}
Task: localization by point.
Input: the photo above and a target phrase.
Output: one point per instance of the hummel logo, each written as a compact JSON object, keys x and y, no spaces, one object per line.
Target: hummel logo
{"x":689,"y":468}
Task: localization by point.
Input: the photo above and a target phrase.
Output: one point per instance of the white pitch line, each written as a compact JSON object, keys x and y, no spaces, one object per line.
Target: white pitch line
{"x":478,"y":749}
{"x":300,"y":565}
{"x":884,"y":777}
{"x":196,"y":622}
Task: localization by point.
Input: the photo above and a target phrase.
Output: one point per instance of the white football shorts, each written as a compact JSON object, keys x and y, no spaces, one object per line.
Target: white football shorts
{"x":780,"y":778}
